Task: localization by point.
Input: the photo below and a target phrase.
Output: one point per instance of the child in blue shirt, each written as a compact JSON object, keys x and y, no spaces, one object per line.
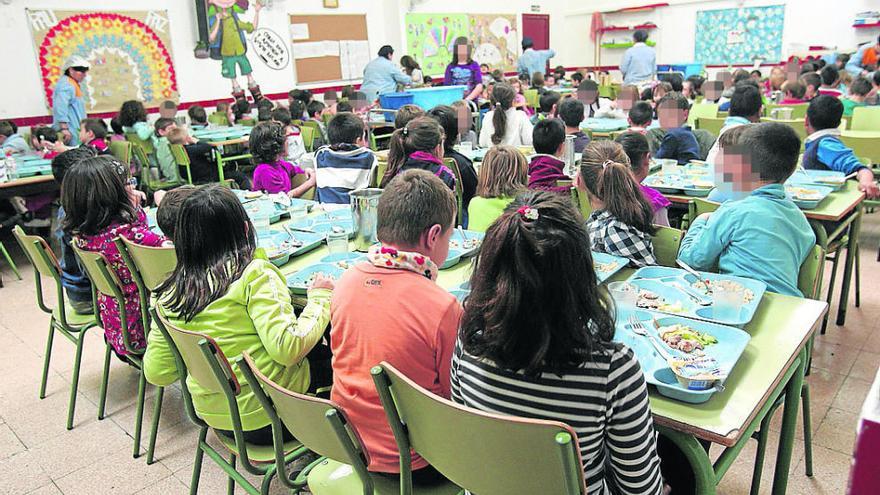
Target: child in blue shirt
{"x":679,"y":143}
{"x":10,"y":141}
{"x":825,"y":151}
{"x":764,"y":236}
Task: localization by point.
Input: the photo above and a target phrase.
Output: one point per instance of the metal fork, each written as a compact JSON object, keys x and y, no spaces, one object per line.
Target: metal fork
{"x":640,"y":329}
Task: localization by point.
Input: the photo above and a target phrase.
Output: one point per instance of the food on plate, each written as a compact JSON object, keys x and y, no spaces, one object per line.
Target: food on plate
{"x":724,"y":284}
{"x":345,"y":264}
{"x":685,"y":338}
{"x":835,"y":181}
{"x":311,"y":278}
{"x":252,"y":194}
{"x":607,"y":267}
{"x":649,"y":300}
{"x":702,"y":184}
{"x":676,"y":307}
{"x":468,"y":244}
{"x":804,"y":193}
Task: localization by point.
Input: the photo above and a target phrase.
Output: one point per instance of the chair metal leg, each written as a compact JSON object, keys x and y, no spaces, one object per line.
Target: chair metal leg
{"x":154,"y":428}
{"x":808,"y":430}
{"x":74,"y":384}
{"x":139,"y":415}
{"x":47,"y":358}
{"x":103,"y":400}
{"x":858,"y":279}
{"x":830,"y":295}
{"x":197,"y":466}
{"x":9,"y":260}
{"x":758,"y":470}
{"x":267,"y":481}
{"x":230,"y":484}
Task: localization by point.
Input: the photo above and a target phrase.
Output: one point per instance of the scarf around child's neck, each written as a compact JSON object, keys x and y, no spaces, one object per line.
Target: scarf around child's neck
{"x":424,"y":156}
{"x":388,"y":257}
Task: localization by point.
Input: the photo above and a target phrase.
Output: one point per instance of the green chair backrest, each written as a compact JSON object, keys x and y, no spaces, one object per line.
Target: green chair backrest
{"x":865,"y":119}
{"x":608,"y":92}
{"x":484,"y":453}
{"x":314,"y":125}
{"x":121,"y":150}
{"x":710,"y":124}
{"x":146,"y":144}
{"x":99,"y":271}
{"x":666,"y":243}
{"x":810,"y":274}
{"x":141,"y":156}
{"x":582,"y":201}
{"x":181,"y":158}
{"x":705,"y":140}
{"x":698,"y":206}
{"x":218,"y":118}
{"x":39,"y":253}
{"x":247,"y":122}
{"x":204,"y":359}
{"x":796,"y":124}
{"x":152,"y":264}
{"x":378,"y":173}
{"x":308,"y":135}
{"x":700,"y":110}
{"x":300,"y":179}
{"x":863,"y":146}
{"x":797,"y":111}
{"x":459,"y":189}
{"x":532,"y":98}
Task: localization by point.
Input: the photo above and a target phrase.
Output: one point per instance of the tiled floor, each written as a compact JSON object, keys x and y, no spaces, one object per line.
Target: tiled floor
{"x":37,"y":454}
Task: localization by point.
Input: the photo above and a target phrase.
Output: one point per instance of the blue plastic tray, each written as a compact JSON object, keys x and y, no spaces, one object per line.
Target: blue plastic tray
{"x":452,"y":258}
{"x":681,"y":183}
{"x":606,"y":259}
{"x":344,"y":259}
{"x":30,"y":170}
{"x":457,"y":242}
{"x":262,"y":206}
{"x":323,"y":224}
{"x":657,"y":279}
{"x":298,"y":283}
{"x":276,"y":237}
{"x":604,"y":125}
{"x":808,"y":204}
{"x":823,"y":178}
{"x":730,"y":346}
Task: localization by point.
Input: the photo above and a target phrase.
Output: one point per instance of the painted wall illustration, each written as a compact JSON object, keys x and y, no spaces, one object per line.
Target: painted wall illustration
{"x":739,"y":36}
{"x":495,"y":37}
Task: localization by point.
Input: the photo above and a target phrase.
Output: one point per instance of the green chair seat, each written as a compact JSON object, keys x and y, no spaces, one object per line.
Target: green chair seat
{"x":261,"y":454}
{"x":75,"y":321}
{"x":335,"y":478}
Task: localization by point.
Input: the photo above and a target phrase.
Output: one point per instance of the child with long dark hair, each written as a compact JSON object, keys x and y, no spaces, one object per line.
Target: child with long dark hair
{"x":98,"y":208}
{"x":622,"y":220}
{"x":133,"y":117}
{"x":412,"y":69}
{"x":541,"y":347}
{"x":268,"y":145}
{"x":221,"y":289}
{"x":636,"y":147}
{"x":504,"y":124}
{"x":418,"y":145}
{"x":462,"y":70}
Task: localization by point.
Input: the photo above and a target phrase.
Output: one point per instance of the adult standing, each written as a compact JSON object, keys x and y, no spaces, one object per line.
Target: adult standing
{"x":640,"y":61}
{"x":382,"y":76}
{"x":463,"y":70}
{"x":68,"y":104}
{"x":532,"y":60}
{"x":867,"y":56}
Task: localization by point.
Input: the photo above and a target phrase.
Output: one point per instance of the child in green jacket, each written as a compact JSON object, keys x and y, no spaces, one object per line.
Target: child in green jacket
{"x":220,"y":289}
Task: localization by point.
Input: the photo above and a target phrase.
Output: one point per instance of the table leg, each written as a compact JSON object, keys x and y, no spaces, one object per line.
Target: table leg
{"x":789,"y":423}
{"x":220,"y":165}
{"x":851,"y":251}
{"x":696,"y":456}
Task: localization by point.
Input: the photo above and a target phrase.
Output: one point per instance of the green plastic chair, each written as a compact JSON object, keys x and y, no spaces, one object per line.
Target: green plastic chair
{"x":797,"y":111}
{"x":300,"y":179}
{"x":182,"y":160}
{"x":149,"y":267}
{"x":121,"y":150}
{"x":247,"y":122}
{"x":145,"y":144}
{"x":532,"y":98}
{"x":200,"y":358}
{"x":666,"y":243}
{"x":483,"y":453}
{"x":582,"y":201}
{"x":702,"y":110}
{"x":459,"y":189}
{"x":863,"y":147}
{"x":63,"y":319}
{"x":705,"y":140}
{"x":105,"y":281}
{"x":713,"y":125}
{"x":146,"y":165}
{"x":378,"y":173}
{"x":810,"y":284}
{"x":218,"y":119}
{"x":796,"y":124}
{"x":323,"y":428}
{"x":698,"y":206}
{"x":308,"y":135}
{"x":10,"y":261}
{"x":865,"y":119}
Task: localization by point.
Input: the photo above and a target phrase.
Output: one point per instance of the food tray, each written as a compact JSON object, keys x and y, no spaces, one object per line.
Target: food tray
{"x":262,"y":206}
{"x":658,"y":279}
{"x":324,"y":223}
{"x":461,"y":291}
{"x":298,"y":283}
{"x":276,"y":237}
{"x":824,"y":178}
{"x":730,"y":346}
{"x":475,"y":239}
{"x":33,"y":168}
{"x":452,"y":258}
{"x":283,"y":210}
{"x":680,"y":183}
{"x":606,"y":259}
{"x":344,"y":261}
{"x":807,"y":204}
{"x":604,"y":125}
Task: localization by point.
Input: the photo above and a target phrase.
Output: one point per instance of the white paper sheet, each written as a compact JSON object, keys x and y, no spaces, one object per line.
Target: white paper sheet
{"x":299,"y":32}
{"x":331,"y":48}
{"x":311,"y":49}
{"x":354,"y":55}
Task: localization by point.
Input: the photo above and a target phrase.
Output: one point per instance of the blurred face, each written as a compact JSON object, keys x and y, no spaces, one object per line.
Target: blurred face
{"x":777,"y":77}
{"x":516,"y":86}
{"x":735,"y":175}
{"x":670,"y":115}
{"x":85,"y":135}
{"x":461,"y":51}
{"x":792,"y":71}
{"x":550,"y":81}
{"x":78,"y":73}
{"x":587,"y":97}
{"x":725,"y":77}
{"x":687,"y":89}
{"x":713,"y":89}
{"x":626,"y":99}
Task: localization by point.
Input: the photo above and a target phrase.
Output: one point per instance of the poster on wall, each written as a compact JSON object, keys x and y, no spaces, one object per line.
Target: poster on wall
{"x":429,"y":39}
{"x":129,"y":52}
{"x":739,"y":36}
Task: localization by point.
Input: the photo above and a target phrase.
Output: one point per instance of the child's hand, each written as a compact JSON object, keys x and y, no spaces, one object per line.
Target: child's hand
{"x":158,"y":196}
{"x":136,"y":197}
{"x":870,"y":189}
{"x":322,"y":281}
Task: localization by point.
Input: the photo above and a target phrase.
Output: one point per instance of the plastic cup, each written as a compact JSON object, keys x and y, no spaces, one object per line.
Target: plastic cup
{"x":337,"y":242}
{"x":727,"y":303}
{"x":669,"y":167}
{"x":466,"y":148}
{"x":261,"y":220}
{"x":624,"y":293}
{"x":297,"y":212}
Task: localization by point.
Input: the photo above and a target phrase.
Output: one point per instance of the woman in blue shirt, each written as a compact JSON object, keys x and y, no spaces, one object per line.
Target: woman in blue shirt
{"x":382,"y":76}
{"x":639,"y":62}
{"x":68,"y":104}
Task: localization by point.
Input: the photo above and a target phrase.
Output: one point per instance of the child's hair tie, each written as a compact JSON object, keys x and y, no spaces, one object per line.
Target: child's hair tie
{"x":405,"y":131}
{"x":528,"y":213}
{"x":606,"y":163}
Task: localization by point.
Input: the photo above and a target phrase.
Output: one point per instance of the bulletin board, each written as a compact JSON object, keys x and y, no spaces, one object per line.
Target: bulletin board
{"x":129,"y":53}
{"x":430,"y":37}
{"x":739,"y":36}
{"x":329,"y":47}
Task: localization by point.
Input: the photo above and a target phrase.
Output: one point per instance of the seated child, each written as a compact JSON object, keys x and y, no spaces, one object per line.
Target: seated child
{"x":679,"y":142}
{"x":44,"y":140}
{"x":315,"y":110}
{"x":507,"y":371}
{"x":198,"y":117}
{"x":571,"y":111}
{"x":222,"y":113}
{"x":407,"y":113}
{"x":576,"y":79}
{"x":296,"y":147}
{"x":273,"y":174}
{"x":418,"y":145}
{"x":169,"y":209}
{"x":559,"y":73}
{"x":746,"y":106}
{"x":657,"y":94}
{"x":503,"y":175}
{"x":76,"y":284}
{"x":712,"y":91}
{"x":244,"y":306}
{"x":619,"y":108}
{"x":538,"y":83}
{"x":764,"y":236}
{"x":331,"y":99}
{"x":812,"y":82}
{"x":830,"y":81}
{"x":92,"y":132}
{"x":823,"y":149}
{"x":548,"y":105}
{"x":344,"y":106}
{"x":793,"y":92}
{"x":640,"y":116}
{"x":133,"y":117}
{"x":303,"y":96}
{"x":546,"y":167}
{"x":167,"y":164}
{"x":264,"y":110}
{"x":622,"y":219}
{"x":448,"y":120}
{"x":733,"y":176}
{"x":241,"y":113}
{"x":519,"y":101}
{"x":504,"y":124}
{"x":636,"y":147}
{"x":202,"y":167}
{"x":297,"y":108}
{"x":98,"y":208}
{"x":588,"y":94}
{"x":10,"y":141}
{"x":416,"y":329}
{"x":118,"y":133}
{"x":858,"y":93}
{"x":168,"y":109}
{"x":466,"y":133}
{"x":347,"y":163}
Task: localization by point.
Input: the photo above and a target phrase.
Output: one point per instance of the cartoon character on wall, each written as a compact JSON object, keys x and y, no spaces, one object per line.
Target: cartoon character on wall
{"x":227,"y":42}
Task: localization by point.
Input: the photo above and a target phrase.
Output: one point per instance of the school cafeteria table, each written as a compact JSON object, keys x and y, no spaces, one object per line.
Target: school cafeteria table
{"x":218,"y":138}
{"x":773,"y":362}
{"x":28,"y":185}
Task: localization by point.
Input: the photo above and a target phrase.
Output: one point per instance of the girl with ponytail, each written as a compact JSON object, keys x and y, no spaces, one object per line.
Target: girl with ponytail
{"x":504,"y":124}
{"x":418,"y":145}
{"x":622,"y":220}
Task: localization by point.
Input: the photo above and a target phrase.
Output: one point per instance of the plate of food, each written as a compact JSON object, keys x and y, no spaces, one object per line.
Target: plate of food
{"x":606,"y":265}
{"x":324,"y":224}
{"x":697,"y":187}
{"x":667,"y":184}
{"x":279,"y":246}
{"x":825,"y":178}
{"x":467,"y":241}
{"x":299,"y":282}
{"x":807,"y":197}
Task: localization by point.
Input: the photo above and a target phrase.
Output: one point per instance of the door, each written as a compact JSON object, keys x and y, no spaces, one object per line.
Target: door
{"x":537,"y":27}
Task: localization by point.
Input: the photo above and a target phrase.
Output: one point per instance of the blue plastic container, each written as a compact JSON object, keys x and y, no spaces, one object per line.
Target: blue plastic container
{"x":687,"y":69}
{"x":428,"y":98}
{"x":393,"y":101}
